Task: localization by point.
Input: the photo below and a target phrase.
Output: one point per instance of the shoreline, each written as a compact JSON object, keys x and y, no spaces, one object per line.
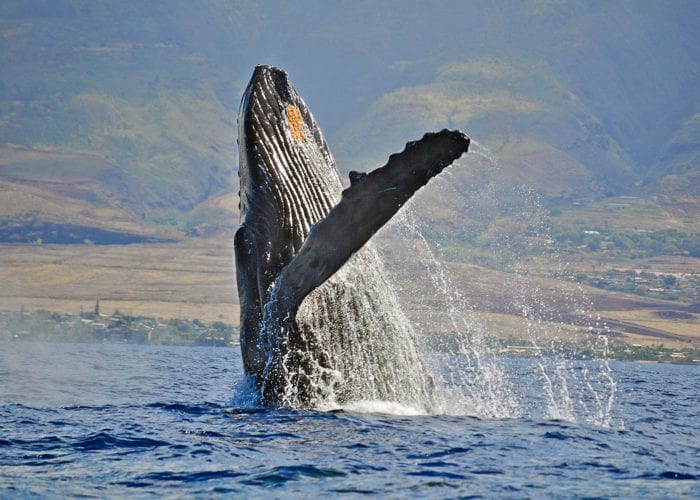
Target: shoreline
{"x":95,"y":327}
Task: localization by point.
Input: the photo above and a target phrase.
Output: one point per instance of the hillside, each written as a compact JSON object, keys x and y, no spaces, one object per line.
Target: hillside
{"x":133,"y":106}
{"x":581,"y":191}
{"x":541,"y":135}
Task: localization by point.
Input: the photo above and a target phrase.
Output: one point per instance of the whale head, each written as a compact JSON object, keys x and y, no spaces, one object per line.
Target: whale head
{"x":286,"y":170}
{"x":288,"y":182}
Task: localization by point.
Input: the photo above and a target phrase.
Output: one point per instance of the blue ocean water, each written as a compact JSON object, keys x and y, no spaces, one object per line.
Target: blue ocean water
{"x":138,"y":421}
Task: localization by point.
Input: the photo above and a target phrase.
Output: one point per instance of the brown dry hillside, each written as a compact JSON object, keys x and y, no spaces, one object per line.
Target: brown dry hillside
{"x":28,"y":208}
{"x":194,"y":278}
{"x":189,"y":279}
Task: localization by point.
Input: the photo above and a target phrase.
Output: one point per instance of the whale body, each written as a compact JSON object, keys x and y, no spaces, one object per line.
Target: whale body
{"x":319,"y":320}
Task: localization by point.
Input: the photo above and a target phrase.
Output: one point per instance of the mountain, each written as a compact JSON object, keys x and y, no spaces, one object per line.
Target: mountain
{"x":541,"y":134}
{"x":130,"y":107}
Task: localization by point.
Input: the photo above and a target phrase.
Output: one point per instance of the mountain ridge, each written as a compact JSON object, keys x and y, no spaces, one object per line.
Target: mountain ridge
{"x":132,"y":105}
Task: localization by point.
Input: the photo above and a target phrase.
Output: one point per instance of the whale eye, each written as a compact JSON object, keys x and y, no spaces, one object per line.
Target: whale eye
{"x":295,"y":123}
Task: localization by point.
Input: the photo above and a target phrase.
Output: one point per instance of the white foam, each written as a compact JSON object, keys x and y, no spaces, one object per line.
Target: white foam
{"x":383,"y":408}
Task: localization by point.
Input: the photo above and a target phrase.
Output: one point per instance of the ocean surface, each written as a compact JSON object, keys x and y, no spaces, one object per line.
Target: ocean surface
{"x":137,"y":421}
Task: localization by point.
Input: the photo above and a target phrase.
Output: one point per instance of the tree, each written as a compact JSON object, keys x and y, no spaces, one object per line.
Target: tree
{"x":670,"y":280}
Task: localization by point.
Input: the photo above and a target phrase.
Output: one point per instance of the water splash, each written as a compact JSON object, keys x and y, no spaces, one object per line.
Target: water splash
{"x":565,"y":386}
{"x":475,"y":376}
{"x":356,"y":344}
{"x":471,"y":381}
{"x":368,"y":356}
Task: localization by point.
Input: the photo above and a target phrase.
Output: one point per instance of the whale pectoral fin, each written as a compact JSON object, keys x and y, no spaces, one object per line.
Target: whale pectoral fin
{"x":369,"y":202}
{"x":245,"y":249}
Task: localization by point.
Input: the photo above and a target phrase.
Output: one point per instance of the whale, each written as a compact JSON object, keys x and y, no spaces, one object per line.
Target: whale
{"x":319,"y":320}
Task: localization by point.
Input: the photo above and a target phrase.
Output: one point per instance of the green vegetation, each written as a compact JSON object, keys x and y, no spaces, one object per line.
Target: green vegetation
{"x":27,"y":228}
{"x":681,"y":287}
{"x":94,"y":327}
{"x":593,"y":348}
{"x":598,"y":348}
{"x":118,"y":124}
{"x":627,"y":244}
{"x":519,"y":107}
{"x":132,"y":105}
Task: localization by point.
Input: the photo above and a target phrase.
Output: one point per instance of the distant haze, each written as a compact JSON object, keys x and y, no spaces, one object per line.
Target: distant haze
{"x":127,"y":110}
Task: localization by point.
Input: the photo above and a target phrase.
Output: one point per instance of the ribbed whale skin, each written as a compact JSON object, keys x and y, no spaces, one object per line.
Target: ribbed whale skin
{"x":298,"y":228}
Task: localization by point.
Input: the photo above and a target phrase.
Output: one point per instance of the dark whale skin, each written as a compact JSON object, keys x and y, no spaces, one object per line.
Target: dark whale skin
{"x":297,"y":230}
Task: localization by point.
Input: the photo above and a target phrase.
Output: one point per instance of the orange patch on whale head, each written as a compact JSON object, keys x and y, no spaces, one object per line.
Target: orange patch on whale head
{"x":295,"y":123}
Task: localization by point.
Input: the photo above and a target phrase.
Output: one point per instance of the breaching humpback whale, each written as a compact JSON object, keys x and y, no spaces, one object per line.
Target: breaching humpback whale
{"x":309,"y":329}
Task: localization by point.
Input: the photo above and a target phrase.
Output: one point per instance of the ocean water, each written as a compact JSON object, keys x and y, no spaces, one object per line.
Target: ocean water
{"x":138,"y":421}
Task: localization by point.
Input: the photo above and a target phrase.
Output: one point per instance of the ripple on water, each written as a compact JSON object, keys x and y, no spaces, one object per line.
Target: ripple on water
{"x":106,"y":441}
{"x":277,"y":476}
{"x":190,"y":440}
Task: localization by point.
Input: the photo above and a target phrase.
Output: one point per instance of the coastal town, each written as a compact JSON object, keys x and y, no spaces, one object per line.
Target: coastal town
{"x":97,"y":327}
{"x":119,"y":328}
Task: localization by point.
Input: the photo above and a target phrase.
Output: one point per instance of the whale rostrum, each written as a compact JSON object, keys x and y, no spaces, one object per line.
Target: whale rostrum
{"x":306,"y":302}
